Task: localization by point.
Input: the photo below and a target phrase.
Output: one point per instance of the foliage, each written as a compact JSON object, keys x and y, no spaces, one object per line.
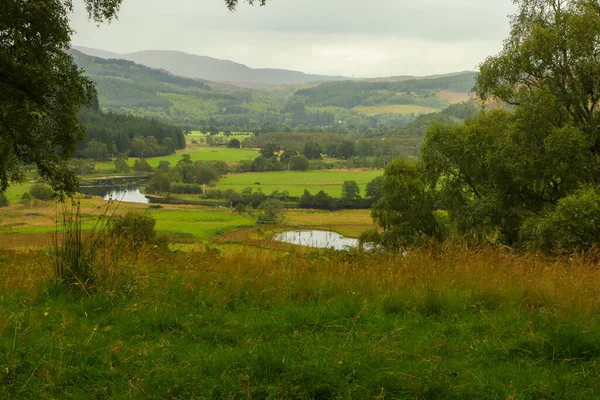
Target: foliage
{"x":515,"y":176}
{"x":298,"y":163}
{"x":4,"y":200}
{"x":374,"y":189}
{"x":141,"y":165}
{"x":234,"y":144}
{"x":350,"y":191}
{"x":573,"y":225}
{"x":25,"y":199}
{"x":312,"y":150}
{"x":159,"y":183}
{"x":270,"y":212}
{"x":121,"y":165}
{"x":41,"y":192}
{"x":136,"y":230}
{"x":406,"y":208}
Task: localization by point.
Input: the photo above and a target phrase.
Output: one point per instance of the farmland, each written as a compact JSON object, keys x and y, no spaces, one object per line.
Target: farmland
{"x":197,"y":153}
{"x":295,"y":182}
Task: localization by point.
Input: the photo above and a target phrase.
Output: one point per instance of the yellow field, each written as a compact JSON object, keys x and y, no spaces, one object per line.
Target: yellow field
{"x":395,"y":109}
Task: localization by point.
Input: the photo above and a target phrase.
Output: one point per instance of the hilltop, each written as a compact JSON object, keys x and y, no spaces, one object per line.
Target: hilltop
{"x":212,"y":69}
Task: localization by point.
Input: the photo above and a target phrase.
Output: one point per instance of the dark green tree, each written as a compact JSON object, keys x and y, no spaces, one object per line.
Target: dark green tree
{"x":299,"y":163}
{"x":350,"y":191}
{"x":43,"y":90}
{"x":312,"y":150}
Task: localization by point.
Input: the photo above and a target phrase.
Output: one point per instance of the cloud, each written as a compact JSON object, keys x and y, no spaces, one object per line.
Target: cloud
{"x":341,"y":37}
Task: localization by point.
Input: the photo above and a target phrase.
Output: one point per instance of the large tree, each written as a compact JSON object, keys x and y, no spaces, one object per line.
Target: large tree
{"x":511,"y":173}
{"x":41,"y":88}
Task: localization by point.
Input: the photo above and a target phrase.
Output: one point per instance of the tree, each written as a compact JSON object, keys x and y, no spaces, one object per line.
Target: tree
{"x":365,"y":149}
{"x":346,"y":149}
{"x":518,"y":175}
{"x":205,"y":174}
{"x":374,"y":189}
{"x":268,"y":151}
{"x":234,"y":144}
{"x":213,"y":131}
{"x":43,"y":90}
{"x":312,"y":150}
{"x":299,"y":163}
{"x":270,"y":212}
{"x":3,"y":200}
{"x":142,"y":165}
{"x":121,"y":165}
{"x":95,"y":150}
{"x":350,"y":191}
{"x":163,"y":165}
{"x":160,"y":183}
{"x":406,"y":209}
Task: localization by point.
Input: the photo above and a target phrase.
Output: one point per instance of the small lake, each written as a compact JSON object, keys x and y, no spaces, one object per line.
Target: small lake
{"x":127,"y":190}
{"x":318,"y":239}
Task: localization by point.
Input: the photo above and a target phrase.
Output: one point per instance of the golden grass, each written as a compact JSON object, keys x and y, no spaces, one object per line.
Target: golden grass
{"x":454,"y":97}
{"x":528,"y":280}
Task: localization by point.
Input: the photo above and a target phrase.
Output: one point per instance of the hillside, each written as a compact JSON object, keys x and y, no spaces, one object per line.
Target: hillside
{"x":212,"y":69}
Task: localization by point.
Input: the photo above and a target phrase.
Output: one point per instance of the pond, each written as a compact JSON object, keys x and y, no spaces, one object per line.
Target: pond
{"x":127,"y":190}
{"x":318,"y":239}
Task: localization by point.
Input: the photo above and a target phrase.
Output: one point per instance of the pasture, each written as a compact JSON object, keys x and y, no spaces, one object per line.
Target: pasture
{"x":295,"y":182}
{"x":197,"y":153}
{"x":395,"y":109}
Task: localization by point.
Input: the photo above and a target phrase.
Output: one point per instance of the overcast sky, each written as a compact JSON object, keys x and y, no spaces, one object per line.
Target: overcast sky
{"x":362,"y":38}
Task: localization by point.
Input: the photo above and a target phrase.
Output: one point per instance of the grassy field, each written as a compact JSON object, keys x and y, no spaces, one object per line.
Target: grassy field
{"x":454,"y":97}
{"x":255,"y":324}
{"x":395,"y":109}
{"x":198,"y":153}
{"x":295,"y":182}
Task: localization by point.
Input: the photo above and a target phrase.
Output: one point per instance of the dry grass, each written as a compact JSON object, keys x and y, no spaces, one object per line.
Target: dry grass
{"x":454,"y":97}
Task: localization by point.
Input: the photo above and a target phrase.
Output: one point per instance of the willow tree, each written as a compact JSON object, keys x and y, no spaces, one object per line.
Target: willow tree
{"x":41,"y":88}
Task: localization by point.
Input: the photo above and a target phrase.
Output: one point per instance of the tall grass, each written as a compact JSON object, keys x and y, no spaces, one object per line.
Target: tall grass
{"x":77,"y":254}
{"x":286,"y":323}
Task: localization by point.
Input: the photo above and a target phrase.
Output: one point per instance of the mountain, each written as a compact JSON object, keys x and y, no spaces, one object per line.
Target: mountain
{"x":212,"y":69}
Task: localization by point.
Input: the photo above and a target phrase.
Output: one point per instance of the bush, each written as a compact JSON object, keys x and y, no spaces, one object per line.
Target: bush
{"x":573,"y":225}
{"x":299,"y":163}
{"x":122,"y":166}
{"x":25,"y":199}
{"x":3,"y":200}
{"x":234,"y":144}
{"x":270,"y":212}
{"x":141,"y":165}
{"x":41,"y":192}
{"x":136,"y":229}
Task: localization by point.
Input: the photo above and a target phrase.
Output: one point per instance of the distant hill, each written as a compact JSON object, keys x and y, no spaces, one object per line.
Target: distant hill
{"x":212,"y":69}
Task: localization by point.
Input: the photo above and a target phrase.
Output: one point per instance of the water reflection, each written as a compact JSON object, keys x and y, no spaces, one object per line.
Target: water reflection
{"x":318,"y":239}
{"x":127,"y":194}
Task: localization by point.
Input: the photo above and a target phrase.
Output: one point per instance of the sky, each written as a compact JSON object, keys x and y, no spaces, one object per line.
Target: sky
{"x":360,"y":38}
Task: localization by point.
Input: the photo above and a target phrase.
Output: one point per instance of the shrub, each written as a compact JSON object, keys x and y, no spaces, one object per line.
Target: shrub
{"x":25,"y":199}
{"x":573,"y":225}
{"x":41,"y":192}
{"x":136,"y":229}
{"x":3,"y":200}
{"x":299,"y":163}
{"x":270,"y":212}
{"x":122,"y":166}
{"x":234,"y":144}
{"x":141,"y":165}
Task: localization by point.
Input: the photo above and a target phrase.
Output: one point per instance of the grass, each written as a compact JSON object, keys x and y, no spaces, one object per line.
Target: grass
{"x":197,"y":153}
{"x":295,"y":182}
{"x":395,"y":109}
{"x":246,"y":323}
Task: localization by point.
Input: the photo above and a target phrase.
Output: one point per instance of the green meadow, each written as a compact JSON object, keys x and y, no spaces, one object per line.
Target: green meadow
{"x":197,"y":153}
{"x":295,"y":182}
